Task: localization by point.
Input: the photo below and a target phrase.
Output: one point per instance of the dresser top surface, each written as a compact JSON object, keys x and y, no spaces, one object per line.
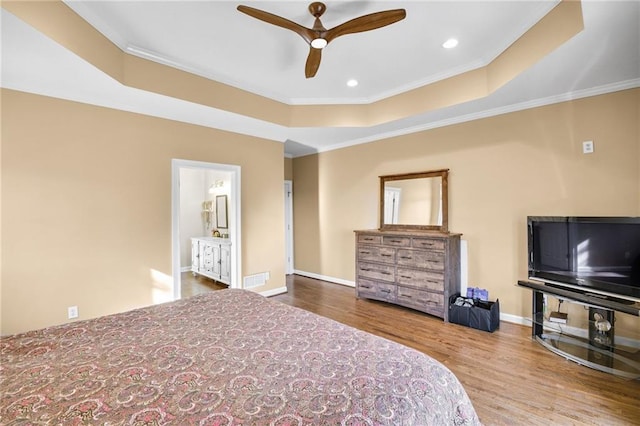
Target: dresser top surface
{"x":425,"y":233}
{"x":213,"y":239}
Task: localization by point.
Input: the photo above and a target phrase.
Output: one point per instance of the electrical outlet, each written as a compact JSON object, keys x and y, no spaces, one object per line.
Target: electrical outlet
{"x":587,"y":147}
{"x":72,"y":312}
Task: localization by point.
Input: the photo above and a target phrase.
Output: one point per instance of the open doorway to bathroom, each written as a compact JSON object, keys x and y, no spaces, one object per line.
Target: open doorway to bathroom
{"x":199,"y":191}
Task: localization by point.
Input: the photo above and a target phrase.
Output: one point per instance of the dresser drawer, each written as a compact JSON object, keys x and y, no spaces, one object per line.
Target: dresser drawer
{"x":376,"y":253}
{"x":396,"y":241}
{"x":376,"y":290}
{"x":376,"y":272}
{"x":428,"y":243}
{"x":421,"y":259}
{"x":425,"y":301}
{"x":421,"y":279}
{"x":370,"y":239}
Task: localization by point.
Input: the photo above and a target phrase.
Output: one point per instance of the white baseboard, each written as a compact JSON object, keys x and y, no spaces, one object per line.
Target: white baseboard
{"x":325,"y":278}
{"x":515,"y":319}
{"x":185,"y":269}
{"x":274,"y":292}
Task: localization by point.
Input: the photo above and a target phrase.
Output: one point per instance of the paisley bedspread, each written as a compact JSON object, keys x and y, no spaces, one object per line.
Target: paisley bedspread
{"x":229,"y":357}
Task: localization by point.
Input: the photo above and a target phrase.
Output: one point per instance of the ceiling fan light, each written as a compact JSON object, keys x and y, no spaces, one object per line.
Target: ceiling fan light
{"x":352,"y":83}
{"x":318,"y":43}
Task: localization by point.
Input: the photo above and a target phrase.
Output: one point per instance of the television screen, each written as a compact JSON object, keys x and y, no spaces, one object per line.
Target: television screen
{"x":594,"y":254}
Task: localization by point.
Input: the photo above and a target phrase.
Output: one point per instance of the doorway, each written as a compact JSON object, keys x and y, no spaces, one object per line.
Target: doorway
{"x":179,"y":236}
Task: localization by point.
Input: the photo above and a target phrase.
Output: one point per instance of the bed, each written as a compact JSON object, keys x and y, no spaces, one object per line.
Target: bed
{"x":227,"y":357}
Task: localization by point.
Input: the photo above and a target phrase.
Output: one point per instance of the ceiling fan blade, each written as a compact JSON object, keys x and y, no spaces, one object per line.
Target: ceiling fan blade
{"x":313,"y":62}
{"x":366,"y":23}
{"x":279,"y":21}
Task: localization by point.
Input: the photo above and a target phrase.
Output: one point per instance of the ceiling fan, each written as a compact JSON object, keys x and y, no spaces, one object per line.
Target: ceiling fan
{"x":318,"y":36}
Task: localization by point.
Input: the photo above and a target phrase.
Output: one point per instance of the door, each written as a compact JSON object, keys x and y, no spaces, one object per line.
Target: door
{"x":195,"y":256}
{"x":225,"y":263}
{"x":391,"y":205}
{"x":288,"y":226}
{"x":215,"y":261}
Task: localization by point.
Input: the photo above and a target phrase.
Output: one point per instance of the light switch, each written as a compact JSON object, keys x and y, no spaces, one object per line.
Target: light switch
{"x":587,"y":147}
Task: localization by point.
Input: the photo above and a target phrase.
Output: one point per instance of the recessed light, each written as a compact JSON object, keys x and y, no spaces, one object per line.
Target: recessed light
{"x":450,"y":44}
{"x":352,"y":83}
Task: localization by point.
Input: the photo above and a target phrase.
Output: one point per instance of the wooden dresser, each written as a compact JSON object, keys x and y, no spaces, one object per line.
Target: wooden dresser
{"x":419,"y":270}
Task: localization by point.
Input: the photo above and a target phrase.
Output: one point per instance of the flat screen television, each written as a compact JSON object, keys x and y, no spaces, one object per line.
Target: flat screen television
{"x":598,"y":255}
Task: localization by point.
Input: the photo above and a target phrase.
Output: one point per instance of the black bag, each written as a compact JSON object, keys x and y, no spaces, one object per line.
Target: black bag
{"x":484,"y":315}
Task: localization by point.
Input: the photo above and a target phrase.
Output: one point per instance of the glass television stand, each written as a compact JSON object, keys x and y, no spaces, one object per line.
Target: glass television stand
{"x":595,"y":346}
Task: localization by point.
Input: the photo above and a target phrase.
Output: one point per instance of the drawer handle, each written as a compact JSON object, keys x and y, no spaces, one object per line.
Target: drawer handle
{"x":395,"y":241}
{"x":368,"y":239}
{"x":406,"y":257}
{"x":405,"y":295}
{"x":433,"y":282}
{"x":381,"y":272}
{"x":365,"y":286}
{"x":405,"y":276}
{"x":386,"y":291}
{"x":365,"y":252}
{"x":385,"y":255}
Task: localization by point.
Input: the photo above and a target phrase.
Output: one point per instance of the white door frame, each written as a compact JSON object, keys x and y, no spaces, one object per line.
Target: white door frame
{"x":288,"y":226}
{"x":234,"y":215}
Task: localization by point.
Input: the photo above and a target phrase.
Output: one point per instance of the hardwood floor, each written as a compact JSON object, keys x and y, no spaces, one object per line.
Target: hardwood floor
{"x":511,"y":379}
{"x":192,"y":285}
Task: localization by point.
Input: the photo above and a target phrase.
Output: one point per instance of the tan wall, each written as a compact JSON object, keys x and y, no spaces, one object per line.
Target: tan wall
{"x":86,"y":206}
{"x":501,"y":170}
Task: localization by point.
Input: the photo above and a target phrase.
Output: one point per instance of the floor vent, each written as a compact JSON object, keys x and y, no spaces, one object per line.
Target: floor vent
{"x":255,"y":280}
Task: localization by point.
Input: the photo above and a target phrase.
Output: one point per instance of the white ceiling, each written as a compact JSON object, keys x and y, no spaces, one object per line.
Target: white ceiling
{"x":214,"y":40}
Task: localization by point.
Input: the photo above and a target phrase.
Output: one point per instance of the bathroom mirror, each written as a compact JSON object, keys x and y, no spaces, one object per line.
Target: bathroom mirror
{"x":221,"y":211}
{"x":414,"y":201}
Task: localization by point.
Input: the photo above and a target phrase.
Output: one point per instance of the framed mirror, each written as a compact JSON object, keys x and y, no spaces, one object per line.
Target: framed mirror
{"x":221,"y":211}
{"x":415,"y":201}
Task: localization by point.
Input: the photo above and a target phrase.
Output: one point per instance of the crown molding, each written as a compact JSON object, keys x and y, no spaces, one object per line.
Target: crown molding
{"x":521,"y":106}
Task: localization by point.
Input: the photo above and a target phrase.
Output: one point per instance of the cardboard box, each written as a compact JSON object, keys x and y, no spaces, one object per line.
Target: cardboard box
{"x":484,"y":316}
